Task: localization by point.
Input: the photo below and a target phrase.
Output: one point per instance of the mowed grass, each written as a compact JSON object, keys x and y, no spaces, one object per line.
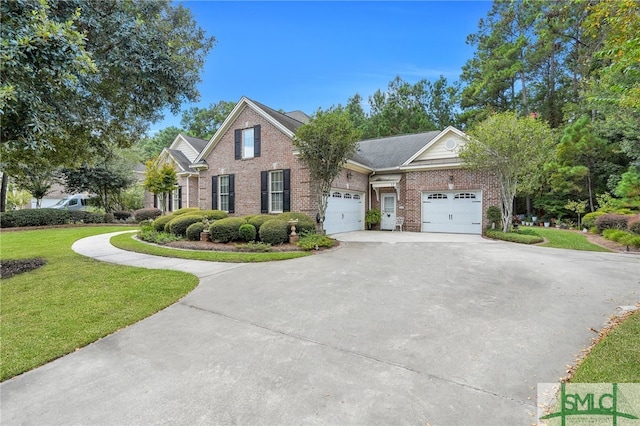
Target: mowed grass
{"x":615,"y":358}
{"x":127,"y":242}
{"x":73,"y":300}
{"x":562,"y":238}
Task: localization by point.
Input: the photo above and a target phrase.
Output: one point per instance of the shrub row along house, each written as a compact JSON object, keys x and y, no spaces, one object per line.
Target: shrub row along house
{"x":250,"y":166}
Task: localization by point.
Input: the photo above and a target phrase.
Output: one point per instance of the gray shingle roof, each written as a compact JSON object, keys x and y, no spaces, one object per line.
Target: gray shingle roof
{"x":181,"y":159}
{"x":197,"y":144}
{"x":286,"y":120}
{"x":391,"y":151}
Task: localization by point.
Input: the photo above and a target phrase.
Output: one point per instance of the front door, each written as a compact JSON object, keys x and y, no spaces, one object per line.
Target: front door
{"x":388,"y":221}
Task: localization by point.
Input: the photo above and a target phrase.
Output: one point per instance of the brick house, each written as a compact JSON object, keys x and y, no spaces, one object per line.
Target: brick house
{"x":250,"y":166}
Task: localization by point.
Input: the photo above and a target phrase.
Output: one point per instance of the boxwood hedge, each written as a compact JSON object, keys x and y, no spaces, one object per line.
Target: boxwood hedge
{"x":225,"y":230}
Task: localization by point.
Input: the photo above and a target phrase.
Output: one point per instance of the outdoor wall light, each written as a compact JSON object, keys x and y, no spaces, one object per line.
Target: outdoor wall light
{"x":349,"y":174}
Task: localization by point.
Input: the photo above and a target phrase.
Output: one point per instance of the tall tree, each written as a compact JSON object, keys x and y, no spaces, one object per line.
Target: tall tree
{"x":515,"y":149}
{"x":325,"y":144}
{"x":150,"y":147}
{"x":202,"y":123}
{"x":442,"y":101}
{"x":81,"y":76}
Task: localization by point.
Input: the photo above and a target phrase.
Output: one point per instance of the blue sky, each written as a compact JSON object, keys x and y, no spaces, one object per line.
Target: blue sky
{"x":307,"y":55}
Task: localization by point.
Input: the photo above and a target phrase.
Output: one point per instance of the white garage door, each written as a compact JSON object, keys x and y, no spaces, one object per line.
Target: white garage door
{"x":345,"y":212}
{"x":454,"y":212}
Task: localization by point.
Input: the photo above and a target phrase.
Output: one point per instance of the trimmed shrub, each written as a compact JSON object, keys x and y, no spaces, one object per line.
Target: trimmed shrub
{"x":634,"y":225}
{"x":514,"y":237}
{"x":259,"y":219}
{"x":144,"y":214}
{"x":274,"y":231}
{"x":184,"y":210}
{"x":589,"y":219}
{"x":305,"y":223}
{"x":314,"y":241}
{"x":622,"y":237}
{"x":121,"y":215}
{"x":80,"y":216}
{"x":194,"y":230}
{"x":160,"y":222}
{"x":178,"y":225}
{"x":225,"y":230}
{"x":34,"y":217}
{"x":214,"y":214}
{"x":247,"y":232}
{"x":612,"y":221}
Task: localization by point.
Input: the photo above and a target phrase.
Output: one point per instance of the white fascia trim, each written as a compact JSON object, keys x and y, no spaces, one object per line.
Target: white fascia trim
{"x":176,"y":163}
{"x":433,"y":141}
{"x":357,"y":167}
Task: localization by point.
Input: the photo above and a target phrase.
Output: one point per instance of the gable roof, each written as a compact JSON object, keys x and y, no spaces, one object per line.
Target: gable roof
{"x":197,"y":144}
{"x":392,"y":151}
{"x":287,"y":124}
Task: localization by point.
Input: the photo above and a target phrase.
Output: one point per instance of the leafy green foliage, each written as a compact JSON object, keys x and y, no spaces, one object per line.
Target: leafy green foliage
{"x":315,"y":241}
{"x":612,"y":221}
{"x":372,"y":217}
{"x":214,"y":214}
{"x":325,"y":144}
{"x":634,"y":225}
{"x":202,"y":123}
{"x":622,"y":237}
{"x":274,"y":232}
{"x":146,"y":214}
{"x":247,"y":232}
{"x":225,"y":230}
{"x":160,"y":222}
{"x":259,"y":219}
{"x":194,"y":230}
{"x":179,"y":224}
{"x":47,"y":217}
{"x":629,"y":185}
{"x":514,"y":237}
{"x":305,"y":223}
{"x":160,"y":180}
{"x":494,"y":214}
{"x":79,"y":77}
{"x":513,"y":148}
{"x":589,"y":219}
{"x":150,"y":147}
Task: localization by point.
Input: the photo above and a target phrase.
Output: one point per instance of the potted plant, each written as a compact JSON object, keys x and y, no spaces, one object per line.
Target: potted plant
{"x":372,"y":218}
{"x":547,"y":221}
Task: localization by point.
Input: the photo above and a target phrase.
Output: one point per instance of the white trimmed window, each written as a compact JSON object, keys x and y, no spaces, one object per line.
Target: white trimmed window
{"x":276,"y":191}
{"x":248,"y":143}
{"x":223,"y":193}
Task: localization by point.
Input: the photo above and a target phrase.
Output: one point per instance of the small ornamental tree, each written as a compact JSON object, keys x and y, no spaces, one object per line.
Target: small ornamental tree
{"x":160,"y":180}
{"x":325,"y":144}
{"x":515,"y":149}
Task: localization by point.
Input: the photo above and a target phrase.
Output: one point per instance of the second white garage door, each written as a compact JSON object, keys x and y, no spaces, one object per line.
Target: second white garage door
{"x":345,"y":212}
{"x":453,"y":212}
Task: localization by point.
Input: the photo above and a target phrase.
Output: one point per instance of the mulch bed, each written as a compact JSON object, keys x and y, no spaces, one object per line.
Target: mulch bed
{"x":9,"y":268}
{"x":611,"y":245}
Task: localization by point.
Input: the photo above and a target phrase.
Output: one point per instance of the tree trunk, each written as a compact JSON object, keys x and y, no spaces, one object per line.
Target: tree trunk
{"x":3,"y":193}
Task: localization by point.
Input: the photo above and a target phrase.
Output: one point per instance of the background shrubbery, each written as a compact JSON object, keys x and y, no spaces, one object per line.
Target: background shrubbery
{"x":47,"y":217}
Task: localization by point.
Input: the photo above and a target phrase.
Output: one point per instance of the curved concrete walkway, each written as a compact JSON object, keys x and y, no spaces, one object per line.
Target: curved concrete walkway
{"x":439,"y":333}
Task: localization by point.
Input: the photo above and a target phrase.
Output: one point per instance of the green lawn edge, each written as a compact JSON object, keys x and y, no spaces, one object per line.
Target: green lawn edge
{"x":614,"y":358}
{"x":73,"y":300}
{"x":128,"y":242}
{"x":555,"y":238}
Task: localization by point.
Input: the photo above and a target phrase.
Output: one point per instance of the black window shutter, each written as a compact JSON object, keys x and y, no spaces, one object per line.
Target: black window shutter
{"x":264,"y":192}
{"x":286,"y":190}
{"x":155,"y":200}
{"x":170,"y":196}
{"x":214,"y":192}
{"x":238,"y":144}
{"x":179,"y":197}
{"x":256,"y":141}
{"x":232,"y":193}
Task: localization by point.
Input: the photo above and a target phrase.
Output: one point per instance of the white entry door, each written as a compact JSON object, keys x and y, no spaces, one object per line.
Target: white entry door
{"x":388,"y":221}
{"x":454,"y":212}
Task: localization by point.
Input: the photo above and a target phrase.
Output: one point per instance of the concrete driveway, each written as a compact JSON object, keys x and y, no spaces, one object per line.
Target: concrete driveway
{"x":456,"y":331}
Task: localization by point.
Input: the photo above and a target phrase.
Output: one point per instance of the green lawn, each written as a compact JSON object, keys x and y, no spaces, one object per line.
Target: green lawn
{"x":126,"y":242}
{"x":73,"y":300}
{"x":560,"y":238}
{"x":615,"y":358}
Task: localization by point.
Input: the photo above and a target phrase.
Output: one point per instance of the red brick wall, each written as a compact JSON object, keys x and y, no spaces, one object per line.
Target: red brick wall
{"x":413,"y":184}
